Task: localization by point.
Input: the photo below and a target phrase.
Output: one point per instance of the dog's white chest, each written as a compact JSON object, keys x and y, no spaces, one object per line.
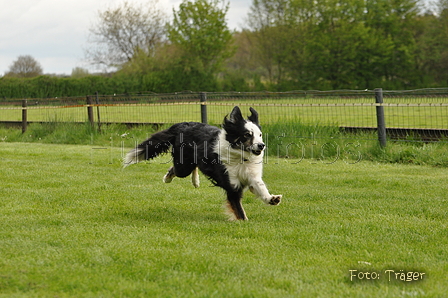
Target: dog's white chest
{"x":242,"y":174}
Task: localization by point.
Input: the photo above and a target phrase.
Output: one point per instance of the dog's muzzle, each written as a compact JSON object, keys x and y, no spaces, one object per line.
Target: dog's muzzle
{"x":258,"y":148}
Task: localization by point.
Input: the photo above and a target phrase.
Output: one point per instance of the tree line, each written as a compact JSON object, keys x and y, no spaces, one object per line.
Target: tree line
{"x":285,"y":45}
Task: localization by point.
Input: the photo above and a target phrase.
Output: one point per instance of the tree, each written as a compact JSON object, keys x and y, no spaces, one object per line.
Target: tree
{"x":394,"y":21}
{"x":442,"y":75}
{"x":280,"y":33}
{"x":200,"y":30}
{"x":432,"y":50}
{"x":79,"y":72}
{"x":243,"y":71}
{"x":122,"y":31}
{"x":343,"y":50}
{"x":267,"y":18}
{"x":25,"y":67}
{"x":335,"y":44}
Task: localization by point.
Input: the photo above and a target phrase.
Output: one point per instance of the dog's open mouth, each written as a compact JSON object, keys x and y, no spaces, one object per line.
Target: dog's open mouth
{"x":257,"y":148}
{"x":257,"y":152}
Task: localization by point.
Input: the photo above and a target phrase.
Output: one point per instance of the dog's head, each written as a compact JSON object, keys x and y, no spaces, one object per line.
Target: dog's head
{"x":244,"y":134}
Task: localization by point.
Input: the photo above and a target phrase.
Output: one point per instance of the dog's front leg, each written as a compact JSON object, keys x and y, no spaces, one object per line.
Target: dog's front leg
{"x":260,"y":190}
{"x":235,"y":209}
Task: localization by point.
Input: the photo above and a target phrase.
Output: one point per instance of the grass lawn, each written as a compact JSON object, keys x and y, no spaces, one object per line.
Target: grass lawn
{"x":74,"y":224}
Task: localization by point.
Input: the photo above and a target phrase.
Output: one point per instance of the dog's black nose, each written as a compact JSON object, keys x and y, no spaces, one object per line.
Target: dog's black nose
{"x":261,"y":146}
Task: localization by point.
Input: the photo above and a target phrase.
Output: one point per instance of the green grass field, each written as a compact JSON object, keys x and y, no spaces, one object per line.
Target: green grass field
{"x":75,"y":224}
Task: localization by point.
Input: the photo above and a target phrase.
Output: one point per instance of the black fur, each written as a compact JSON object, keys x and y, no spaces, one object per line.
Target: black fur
{"x":191,"y":146}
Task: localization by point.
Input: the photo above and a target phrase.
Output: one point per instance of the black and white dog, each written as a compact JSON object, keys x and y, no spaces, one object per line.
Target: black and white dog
{"x":232,"y":157}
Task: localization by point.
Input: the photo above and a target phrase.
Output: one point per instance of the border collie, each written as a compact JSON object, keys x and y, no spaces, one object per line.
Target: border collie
{"x":231,"y":157}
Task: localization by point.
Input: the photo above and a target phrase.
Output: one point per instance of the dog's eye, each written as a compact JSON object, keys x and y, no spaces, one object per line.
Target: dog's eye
{"x":247,"y":135}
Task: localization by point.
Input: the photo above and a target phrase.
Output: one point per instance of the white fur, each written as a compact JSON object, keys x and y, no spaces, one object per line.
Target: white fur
{"x":169,"y":176}
{"x":134,"y":156}
{"x":256,"y":132}
{"x":244,"y":168}
{"x":195,"y":178}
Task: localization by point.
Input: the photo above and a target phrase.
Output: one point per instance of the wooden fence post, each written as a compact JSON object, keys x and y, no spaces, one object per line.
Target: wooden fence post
{"x":381,"y":122}
{"x":97,"y":101}
{"x":24,"y":115}
{"x":203,"y":99}
{"x":90,"y":111}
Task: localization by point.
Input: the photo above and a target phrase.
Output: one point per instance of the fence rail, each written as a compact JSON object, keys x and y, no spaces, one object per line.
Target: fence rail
{"x":424,"y":110}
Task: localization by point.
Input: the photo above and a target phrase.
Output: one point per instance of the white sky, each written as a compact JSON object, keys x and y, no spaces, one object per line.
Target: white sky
{"x":55,"y":32}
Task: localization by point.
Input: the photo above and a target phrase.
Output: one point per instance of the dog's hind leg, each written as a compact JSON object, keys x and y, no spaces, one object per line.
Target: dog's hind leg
{"x":234,"y":207}
{"x":181,"y":172}
{"x":169,"y":175}
{"x":195,"y":178}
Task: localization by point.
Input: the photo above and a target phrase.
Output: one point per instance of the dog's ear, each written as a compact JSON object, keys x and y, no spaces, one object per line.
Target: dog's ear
{"x":254,"y":116}
{"x":235,"y":115}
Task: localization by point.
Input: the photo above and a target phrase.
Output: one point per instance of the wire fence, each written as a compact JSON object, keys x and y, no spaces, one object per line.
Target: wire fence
{"x":424,"y":110}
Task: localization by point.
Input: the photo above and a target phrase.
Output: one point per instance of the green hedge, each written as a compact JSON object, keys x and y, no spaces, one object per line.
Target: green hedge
{"x":164,"y":81}
{"x":46,"y":86}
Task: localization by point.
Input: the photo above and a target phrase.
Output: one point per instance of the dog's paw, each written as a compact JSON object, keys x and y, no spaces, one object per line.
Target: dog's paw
{"x":195,"y":182}
{"x":275,"y":199}
{"x":195,"y":178}
{"x":168,"y":178}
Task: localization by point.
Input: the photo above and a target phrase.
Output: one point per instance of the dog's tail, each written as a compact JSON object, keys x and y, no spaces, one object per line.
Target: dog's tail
{"x":158,"y":143}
